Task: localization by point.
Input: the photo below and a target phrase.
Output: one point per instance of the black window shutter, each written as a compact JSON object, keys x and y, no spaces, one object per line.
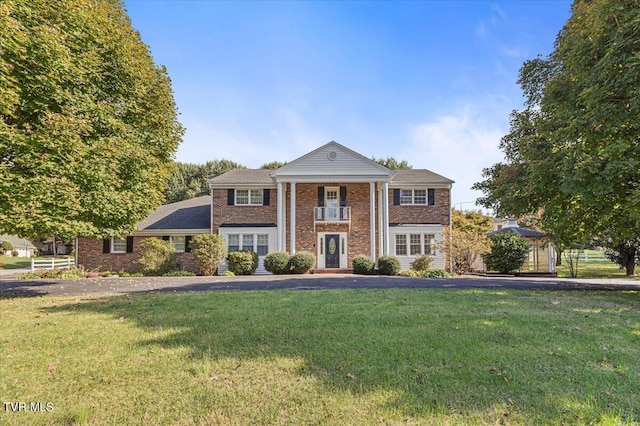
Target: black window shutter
{"x":266,"y":193}
{"x":187,"y":244}
{"x":129,"y":244}
{"x":396,"y":197}
{"x":321,"y":196}
{"x":231,"y":195}
{"x":343,"y":196}
{"x":106,"y":245}
{"x":431,"y":200}
{"x":165,"y":237}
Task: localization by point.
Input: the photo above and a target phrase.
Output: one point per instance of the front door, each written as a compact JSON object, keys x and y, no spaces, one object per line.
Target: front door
{"x":332,"y":251}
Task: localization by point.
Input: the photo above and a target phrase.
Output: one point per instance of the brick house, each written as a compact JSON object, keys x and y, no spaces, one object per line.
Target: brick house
{"x":332,"y":202}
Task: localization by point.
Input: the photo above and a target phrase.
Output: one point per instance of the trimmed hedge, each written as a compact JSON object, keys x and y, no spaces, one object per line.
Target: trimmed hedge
{"x":277,"y":262}
{"x":388,"y":265}
{"x":242,"y":262}
{"x":362,"y":265}
{"x":302,"y":262}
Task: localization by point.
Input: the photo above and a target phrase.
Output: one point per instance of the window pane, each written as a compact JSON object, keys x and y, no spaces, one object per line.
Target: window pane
{"x":406,"y":196}
{"x":119,"y":245}
{"x":263,"y":245}
{"x":401,"y":245}
{"x":420,"y":196}
{"x":247,"y":242}
{"x":429,"y":244}
{"x":242,"y":196}
{"x":178,"y":243}
{"x":234,"y":242}
{"x":256,"y":197}
{"x":415,"y":244}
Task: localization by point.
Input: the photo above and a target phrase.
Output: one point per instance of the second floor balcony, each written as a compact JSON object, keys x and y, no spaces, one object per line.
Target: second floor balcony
{"x":331,"y":215}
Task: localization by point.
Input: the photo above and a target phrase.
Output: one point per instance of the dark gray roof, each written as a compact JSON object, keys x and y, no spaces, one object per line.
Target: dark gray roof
{"x":261,"y":177}
{"x":16,"y":241}
{"x":520,"y":231}
{"x":188,"y":214}
{"x":418,"y":176}
{"x":243,"y":176}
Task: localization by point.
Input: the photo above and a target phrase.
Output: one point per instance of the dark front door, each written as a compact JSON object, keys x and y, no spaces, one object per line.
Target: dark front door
{"x":332,"y":251}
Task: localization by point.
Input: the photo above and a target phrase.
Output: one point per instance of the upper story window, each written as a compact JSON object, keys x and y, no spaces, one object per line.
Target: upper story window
{"x":407,"y":197}
{"x":179,"y":243}
{"x":249,"y":197}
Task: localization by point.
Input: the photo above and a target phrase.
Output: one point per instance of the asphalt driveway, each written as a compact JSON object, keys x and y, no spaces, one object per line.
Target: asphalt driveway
{"x":17,"y":288}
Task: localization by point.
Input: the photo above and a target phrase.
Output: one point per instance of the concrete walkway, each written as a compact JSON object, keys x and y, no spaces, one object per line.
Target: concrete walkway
{"x":16,"y":288}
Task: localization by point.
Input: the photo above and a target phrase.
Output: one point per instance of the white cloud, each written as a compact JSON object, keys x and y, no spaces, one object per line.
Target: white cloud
{"x":457,"y":146}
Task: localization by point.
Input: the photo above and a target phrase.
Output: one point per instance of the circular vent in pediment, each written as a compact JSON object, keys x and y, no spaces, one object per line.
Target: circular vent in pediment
{"x":332,"y":155}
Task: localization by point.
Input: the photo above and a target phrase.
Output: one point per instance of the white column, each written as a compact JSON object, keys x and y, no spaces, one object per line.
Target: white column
{"x":385,"y":214}
{"x":280,"y":220}
{"x":380,"y":220}
{"x":372,"y":216}
{"x":292,"y":220}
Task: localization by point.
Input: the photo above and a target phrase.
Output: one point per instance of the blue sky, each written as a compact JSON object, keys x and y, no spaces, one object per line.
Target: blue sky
{"x":430,"y":82}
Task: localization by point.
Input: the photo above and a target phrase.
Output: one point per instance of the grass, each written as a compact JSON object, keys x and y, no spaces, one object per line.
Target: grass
{"x":593,"y":264}
{"x":11,"y":262}
{"x":324,"y":357}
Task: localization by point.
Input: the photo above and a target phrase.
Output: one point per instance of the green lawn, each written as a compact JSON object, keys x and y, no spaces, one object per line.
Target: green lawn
{"x":593,"y":264}
{"x":324,"y":357}
{"x":11,"y":262}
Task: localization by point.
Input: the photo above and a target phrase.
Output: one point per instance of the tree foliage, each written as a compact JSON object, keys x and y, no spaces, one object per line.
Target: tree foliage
{"x":209,"y":250}
{"x":467,"y":240}
{"x":273,"y":165}
{"x":191,"y":180}
{"x":392,"y":163}
{"x":573,"y":153}
{"x":88,"y":124}
{"x":508,"y":252}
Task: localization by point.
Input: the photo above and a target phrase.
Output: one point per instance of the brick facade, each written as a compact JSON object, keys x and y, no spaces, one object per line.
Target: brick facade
{"x":222,"y":213}
{"x":91,"y":257}
{"x":439,"y":213}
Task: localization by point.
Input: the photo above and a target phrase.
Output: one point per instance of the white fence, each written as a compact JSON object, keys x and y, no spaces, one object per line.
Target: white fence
{"x":52,"y":263}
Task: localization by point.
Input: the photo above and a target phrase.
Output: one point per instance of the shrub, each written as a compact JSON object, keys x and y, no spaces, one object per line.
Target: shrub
{"x":14,"y":253}
{"x":388,"y":265}
{"x":209,"y":251}
{"x":435,"y":273}
{"x":277,"y":262}
{"x":302,"y":262}
{"x":6,"y":246}
{"x":228,"y":274}
{"x":362,"y":264}
{"x":410,"y":273}
{"x":179,"y":274}
{"x":54,"y":273}
{"x":242,"y":262}
{"x":158,"y":257}
{"x":508,"y":252}
{"x":422,"y":263}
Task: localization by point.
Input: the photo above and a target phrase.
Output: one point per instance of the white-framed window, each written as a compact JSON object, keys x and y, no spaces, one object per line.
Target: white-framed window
{"x":178,"y":242}
{"x":249,"y":197}
{"x":118,"y":245}
{"x":401,"y":245}
{"x":418,"y":244}
{"x":250,"y":242}
{"x":419,"y":197}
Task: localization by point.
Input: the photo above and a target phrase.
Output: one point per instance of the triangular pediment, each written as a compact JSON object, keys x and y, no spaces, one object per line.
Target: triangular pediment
{"x":332,"y":162}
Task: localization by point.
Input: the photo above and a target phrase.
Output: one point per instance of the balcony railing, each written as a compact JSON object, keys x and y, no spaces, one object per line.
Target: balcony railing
{"x":331,"y":215}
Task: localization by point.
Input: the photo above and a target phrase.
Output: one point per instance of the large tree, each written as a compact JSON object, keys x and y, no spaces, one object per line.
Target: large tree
{"x":467,"y":240}
{"x":392,"y":163}
{"x":191,"y":180}
{"x":573,"y":153}
{"x":88,"y":123}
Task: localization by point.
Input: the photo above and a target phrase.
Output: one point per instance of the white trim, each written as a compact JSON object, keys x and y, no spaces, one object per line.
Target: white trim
{"x":372,"y":219}
{"x":343,"y":247}
{"x":255,"y":231}
{"x":249,"y":203}
{"x":331,"y":179}
{"x":280,"y":217}
{"x":385,"y":218}
{"x":292,"y":219}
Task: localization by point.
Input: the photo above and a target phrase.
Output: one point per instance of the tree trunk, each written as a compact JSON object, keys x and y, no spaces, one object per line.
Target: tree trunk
{"x":558,"y":257}
{"x":630,"y":262}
